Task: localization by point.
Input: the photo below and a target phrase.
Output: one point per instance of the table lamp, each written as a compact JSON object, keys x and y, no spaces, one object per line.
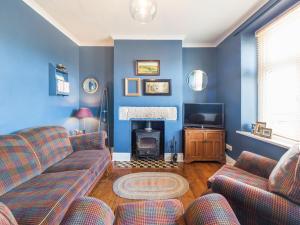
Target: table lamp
{"x":83,"y":113}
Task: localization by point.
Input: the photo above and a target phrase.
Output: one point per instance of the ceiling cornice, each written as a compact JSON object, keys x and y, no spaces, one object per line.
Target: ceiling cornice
{"x":148,"y":37}
{"x":242,"y":21}
{"x":51,"y":20}
{"x":198,"y":45}
{"x":61,"y":28}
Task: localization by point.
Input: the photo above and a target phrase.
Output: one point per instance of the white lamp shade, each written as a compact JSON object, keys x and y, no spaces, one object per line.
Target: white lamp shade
{"x":143,"y":11}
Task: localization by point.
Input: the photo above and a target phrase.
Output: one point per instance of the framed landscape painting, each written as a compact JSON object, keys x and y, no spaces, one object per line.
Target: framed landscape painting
{"x":147,"y":67}
{"x":159,"y":87}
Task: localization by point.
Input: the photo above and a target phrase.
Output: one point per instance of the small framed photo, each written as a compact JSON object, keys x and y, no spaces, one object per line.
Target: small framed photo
{"x":259,"y":126}
{"x":132,"y":87}
{"x":147,"y":67}
{"x":159,"y":87}
{"x":253,"y":126}
{"x":266,"y":132}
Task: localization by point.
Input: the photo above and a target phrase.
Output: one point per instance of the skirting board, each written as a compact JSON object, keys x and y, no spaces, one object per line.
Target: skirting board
{"x":168,"y":157}
{"x":117,"y":156}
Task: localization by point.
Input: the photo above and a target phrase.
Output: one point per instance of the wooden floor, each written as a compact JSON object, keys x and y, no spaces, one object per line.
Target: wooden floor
{"x":196,"y":174}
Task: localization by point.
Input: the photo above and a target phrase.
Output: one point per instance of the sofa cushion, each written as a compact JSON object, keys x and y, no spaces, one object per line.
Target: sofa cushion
{"x":285,"y":178}
{"x":45,"y":198}
{"x":240,"y":175}
{"x":18,"y":163}
{"x":6,"y":217}
{"x":94,"y":160}
{"x":161,"y":212}
{"x":51,"y":144}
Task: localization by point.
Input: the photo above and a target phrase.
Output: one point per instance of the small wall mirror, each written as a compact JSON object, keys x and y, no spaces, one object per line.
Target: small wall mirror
{"x":197,"y":80}
{"x":90,"y":85}
{"x":132,"y":87}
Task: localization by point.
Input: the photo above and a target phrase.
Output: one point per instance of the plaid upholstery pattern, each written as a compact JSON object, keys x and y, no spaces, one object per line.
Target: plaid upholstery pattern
{"x":255,"y":164}
{"x":240,"y":175}
{"x":210,"y":209}
{"x":45,"y":198}
{"x":88,"y":211}
{"x":94,"y":160}
{"x":51,"y":144}
{"x":253,"y":205}
{"x":18,"y":163}
{"x":285,"y":178}
{"x":6,"y":217}
{"x":166,"y":212}
{"x":91,"y":141}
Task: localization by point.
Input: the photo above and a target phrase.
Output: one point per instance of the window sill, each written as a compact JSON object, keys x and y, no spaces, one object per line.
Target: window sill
{"x":278,"y":141}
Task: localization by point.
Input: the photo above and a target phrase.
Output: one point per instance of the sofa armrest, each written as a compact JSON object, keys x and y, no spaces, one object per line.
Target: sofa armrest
{"x":6,"y":216}
{"x":255,"y":164}
{"x":91,"y":211}
{"x":210,"y":209}
{"x":90,"y":141}
{"x":257,"y":202}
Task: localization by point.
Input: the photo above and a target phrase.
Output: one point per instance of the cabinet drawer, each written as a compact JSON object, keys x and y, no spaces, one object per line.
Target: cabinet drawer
{"x":214,"y":136}
{"x":195,"y":135}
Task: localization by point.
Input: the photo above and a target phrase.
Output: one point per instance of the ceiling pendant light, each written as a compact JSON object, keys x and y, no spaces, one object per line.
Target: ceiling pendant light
{"x":143,"y":11}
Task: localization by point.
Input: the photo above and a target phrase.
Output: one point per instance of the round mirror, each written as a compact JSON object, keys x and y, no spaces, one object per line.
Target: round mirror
{"x":197,"y":80}
{"x":90,"y":85}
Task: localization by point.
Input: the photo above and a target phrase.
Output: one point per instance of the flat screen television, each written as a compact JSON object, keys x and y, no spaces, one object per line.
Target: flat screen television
{"x":204,"y":115}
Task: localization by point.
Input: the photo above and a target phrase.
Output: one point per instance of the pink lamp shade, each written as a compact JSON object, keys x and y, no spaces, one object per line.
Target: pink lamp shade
{"x":83,"y":113}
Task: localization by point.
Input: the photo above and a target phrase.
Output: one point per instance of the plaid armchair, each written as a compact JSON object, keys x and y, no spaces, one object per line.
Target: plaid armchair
{"x":245,"y":186}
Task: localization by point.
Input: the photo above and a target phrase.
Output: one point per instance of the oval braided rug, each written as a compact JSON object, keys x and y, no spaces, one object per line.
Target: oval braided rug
{"x":151,"y":186}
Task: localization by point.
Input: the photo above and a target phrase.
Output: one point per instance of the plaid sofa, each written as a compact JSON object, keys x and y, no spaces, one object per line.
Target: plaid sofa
{"x":42,"y":171}
{"x":245,"y":186}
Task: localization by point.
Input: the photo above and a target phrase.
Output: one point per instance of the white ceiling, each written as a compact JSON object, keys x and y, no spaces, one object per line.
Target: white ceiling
{"x":95,"y":22}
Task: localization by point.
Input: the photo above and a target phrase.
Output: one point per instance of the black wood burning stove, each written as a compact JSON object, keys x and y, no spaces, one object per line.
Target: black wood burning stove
{"x":147,"y":143}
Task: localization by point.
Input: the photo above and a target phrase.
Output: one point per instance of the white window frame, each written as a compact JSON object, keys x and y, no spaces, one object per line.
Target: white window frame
{"x":268,"y":26}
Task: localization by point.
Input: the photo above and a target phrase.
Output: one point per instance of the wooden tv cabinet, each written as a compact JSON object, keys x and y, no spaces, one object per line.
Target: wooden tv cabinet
{"x":204,"y":145}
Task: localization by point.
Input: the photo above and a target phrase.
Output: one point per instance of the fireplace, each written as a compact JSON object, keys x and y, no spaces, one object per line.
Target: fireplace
{"x":148,"y":139}
{"x":147,"y":144}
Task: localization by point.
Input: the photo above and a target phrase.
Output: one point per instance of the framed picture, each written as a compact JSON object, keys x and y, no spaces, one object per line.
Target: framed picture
{"x":160,"y":87}
{"x":266,"y":132}
{"x":253,"y":126}
{"x":258,"y":127}
{"x":147,"y":67}
{"x":132,"y":87}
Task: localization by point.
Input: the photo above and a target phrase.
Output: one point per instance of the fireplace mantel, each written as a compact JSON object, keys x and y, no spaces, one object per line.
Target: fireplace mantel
{"x":151,"y":113}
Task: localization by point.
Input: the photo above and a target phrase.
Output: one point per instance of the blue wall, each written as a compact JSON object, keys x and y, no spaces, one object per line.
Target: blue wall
{"x":125,"y":54}
{"x":204,"y":59}
{"x":237,"y":83}
{"x":28,"y":43}
{"x":96,"y":62}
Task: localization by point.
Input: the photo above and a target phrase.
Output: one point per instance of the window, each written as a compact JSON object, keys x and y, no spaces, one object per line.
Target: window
{"x":279,"y":74}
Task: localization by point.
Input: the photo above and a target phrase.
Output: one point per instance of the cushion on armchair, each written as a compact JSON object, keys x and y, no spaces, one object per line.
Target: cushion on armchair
{"x":285,"y":178}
